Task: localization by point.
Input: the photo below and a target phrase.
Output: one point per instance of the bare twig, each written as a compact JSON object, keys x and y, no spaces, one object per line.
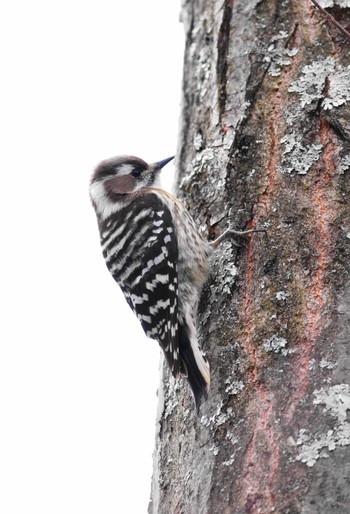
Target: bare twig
{"x":331,"y":19}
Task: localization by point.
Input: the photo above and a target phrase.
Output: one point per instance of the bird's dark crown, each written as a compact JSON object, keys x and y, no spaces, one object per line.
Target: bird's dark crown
{"x":110,"y":167}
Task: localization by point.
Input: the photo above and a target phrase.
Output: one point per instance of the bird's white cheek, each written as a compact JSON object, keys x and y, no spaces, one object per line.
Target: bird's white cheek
{"x":99,"y":197}
{"x":97,"y":193}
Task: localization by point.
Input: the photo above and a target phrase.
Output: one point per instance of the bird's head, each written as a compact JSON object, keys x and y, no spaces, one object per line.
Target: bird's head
{"x":116,"y":178}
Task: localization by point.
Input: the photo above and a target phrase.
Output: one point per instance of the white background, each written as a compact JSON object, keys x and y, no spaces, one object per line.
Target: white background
{"x":80,"y":82}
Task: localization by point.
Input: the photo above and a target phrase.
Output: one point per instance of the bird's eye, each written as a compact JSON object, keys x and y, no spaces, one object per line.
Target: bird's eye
{"x":136,"y":172}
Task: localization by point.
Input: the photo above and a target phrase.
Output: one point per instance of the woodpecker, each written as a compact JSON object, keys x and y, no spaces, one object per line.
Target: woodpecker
{"x":156,"y":254}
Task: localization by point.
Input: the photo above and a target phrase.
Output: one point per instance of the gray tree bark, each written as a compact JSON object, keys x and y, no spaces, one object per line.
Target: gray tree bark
{"x":265,"y":133}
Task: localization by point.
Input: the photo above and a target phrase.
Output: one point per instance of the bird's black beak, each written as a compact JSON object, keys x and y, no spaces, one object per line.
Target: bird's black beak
{"x":159,"y":165}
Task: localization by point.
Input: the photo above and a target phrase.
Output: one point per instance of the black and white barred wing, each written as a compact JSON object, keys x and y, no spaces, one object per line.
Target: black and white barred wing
{"x":148,"y":275}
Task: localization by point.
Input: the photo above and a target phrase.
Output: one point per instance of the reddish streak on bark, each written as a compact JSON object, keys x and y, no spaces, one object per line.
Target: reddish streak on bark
{"x":247,"y":302}
{"x":316,"y":300}
{"x":260,"y":468}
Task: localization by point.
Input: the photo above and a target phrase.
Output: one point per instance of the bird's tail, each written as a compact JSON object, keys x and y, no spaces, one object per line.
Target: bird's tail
{"x":196,"y":366}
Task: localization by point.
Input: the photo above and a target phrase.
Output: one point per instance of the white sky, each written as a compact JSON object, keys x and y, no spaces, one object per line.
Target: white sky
{"x":81,"y":81}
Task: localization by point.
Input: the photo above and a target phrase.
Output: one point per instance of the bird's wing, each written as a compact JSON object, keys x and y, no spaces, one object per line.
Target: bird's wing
{"x":152,"y":289}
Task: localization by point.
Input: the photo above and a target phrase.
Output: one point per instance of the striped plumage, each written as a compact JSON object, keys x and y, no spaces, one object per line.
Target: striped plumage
{"x":155,"y":253}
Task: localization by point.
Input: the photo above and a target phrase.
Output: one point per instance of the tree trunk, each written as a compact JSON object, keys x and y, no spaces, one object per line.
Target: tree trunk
{"x":264,"y":142}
